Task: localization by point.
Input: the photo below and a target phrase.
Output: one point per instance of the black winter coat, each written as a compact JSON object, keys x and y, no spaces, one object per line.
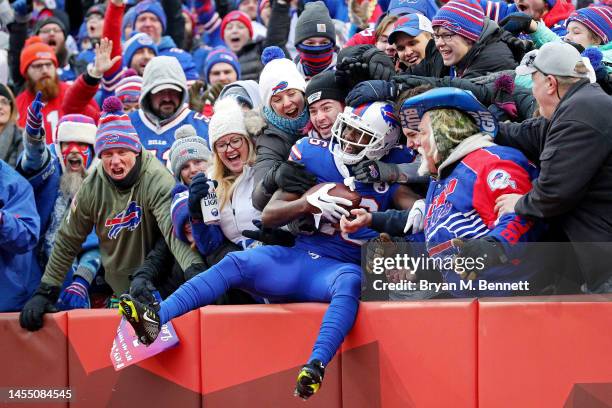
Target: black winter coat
{"x":491,"y":53}
{"x":273,"y":145}
{"x":574,"y":189}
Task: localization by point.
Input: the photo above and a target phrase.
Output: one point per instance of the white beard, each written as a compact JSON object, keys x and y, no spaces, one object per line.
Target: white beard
{"x":423,"y":167}
{"x":70,"y":183}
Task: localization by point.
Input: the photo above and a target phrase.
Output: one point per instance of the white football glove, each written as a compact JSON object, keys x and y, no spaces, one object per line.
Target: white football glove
{"x":416,"y":217}
{"x":329,"y":205}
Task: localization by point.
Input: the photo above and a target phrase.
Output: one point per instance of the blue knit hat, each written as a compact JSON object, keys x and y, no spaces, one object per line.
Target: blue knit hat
{"x":221,"y":54}
{"x":115,"y":130}
{"x":462,"y":17}
{"x":596,"y":19}
{"x":150,"y":6}
{"x":428,"y":8}
{"x":179,"y":210}
{"x":136,"y":42}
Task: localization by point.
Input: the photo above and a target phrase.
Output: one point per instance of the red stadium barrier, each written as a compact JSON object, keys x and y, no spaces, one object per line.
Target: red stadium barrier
{"x":554,"y":352}
{"x":167,"y":379}
{"x":545,"y":352}
{"x":425,"y":355}
{"x":251,"y":355}
{"x":33,"y":360}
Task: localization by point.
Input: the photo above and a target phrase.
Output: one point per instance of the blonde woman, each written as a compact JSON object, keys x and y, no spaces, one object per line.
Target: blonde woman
{"x":233,"y":154}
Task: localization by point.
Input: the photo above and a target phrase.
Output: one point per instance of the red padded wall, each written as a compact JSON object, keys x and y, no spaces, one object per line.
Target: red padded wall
{"x":555,"y":352}
{"x":426,"y":355}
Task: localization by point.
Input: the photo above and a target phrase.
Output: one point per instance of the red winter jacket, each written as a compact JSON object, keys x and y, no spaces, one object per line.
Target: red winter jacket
{"x":57,"y":107}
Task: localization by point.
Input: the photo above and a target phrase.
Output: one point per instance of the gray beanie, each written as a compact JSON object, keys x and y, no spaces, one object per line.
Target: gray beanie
{"x":187,"y":146}
{"x":315,"y":22}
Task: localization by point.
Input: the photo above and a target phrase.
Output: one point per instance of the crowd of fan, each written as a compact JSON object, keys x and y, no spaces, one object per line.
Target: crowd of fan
{"x":126,"y":111}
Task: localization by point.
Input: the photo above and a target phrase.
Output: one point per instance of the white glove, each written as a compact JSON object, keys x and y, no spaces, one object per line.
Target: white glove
{"x":329,"y":205}
{"x":416,"y":217}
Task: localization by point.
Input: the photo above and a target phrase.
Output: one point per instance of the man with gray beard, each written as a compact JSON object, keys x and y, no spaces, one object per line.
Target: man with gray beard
{"x":56,"y":173}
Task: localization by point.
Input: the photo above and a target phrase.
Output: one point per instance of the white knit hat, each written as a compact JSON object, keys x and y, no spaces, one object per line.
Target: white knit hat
{"x":228,"y":118}
{"x":278,"y":74}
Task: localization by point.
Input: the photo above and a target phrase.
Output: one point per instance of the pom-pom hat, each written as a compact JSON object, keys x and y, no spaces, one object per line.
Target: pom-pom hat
{"x":115,"y":130}
{"x":278,"y":75}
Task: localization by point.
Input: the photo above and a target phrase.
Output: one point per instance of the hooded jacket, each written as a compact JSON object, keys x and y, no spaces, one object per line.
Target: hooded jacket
{"x":128,"y":223}
{"x":157,"y":134}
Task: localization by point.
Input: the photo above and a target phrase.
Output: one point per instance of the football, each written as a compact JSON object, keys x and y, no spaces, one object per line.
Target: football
{"x":340,"y":190}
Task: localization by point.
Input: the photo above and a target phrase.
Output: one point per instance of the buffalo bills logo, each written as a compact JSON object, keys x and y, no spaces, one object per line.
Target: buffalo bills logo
{"x":439,"y":206}
{"x":499,"y":179}
{"x":129,"y":218}
{"x":388,"y":116}
{"x":401,"y":21}
{"x":360,"y":110}
{"x":280,"y":87}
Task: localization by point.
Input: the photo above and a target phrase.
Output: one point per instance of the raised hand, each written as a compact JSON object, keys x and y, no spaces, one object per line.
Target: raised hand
{"x":103,"y":61}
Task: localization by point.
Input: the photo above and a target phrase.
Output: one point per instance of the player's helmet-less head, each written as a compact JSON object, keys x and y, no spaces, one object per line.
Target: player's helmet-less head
{"x":366,"y":131}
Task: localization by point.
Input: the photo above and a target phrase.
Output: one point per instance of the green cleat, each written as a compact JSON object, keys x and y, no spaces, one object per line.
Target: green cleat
{"x":144,"y":319}
{"x":309,"y":379}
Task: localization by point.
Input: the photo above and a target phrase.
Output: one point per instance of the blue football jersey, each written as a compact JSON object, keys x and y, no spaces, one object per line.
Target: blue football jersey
{"x":160,"y":139}
{"x":327,"y":241}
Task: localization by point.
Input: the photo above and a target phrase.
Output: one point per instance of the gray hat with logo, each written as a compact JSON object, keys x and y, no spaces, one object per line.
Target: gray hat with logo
{"x":187,"y":146}
{"x":315,"y":22}
{"x":554,"y":58}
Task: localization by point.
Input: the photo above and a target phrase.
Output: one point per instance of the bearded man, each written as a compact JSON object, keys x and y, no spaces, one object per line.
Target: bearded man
{"x":56,"y":173}
{"x":38,"y":65}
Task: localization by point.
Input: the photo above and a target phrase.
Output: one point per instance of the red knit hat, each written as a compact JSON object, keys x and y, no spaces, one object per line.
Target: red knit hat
{"x":33,"y":50}
{"x":236,"y":16}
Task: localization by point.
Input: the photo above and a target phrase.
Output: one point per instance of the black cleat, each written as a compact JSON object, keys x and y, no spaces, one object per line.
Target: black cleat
{"x":144,"y":319}
{"x":309,"y":379}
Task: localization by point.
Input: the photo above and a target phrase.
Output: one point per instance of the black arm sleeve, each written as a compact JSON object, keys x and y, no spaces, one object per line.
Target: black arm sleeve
{"x":278,"y":33}
{"x":18,"y":33}
{"x":527,"y":136}
{"x":157,"y":263}
{"x":391,"y":221}
{"x":270,"y":149}
{"x":175,"y":27}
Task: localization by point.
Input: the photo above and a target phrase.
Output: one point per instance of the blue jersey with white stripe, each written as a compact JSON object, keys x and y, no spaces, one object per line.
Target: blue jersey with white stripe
{"x":327,"y":241}
{"x":160,"y":139}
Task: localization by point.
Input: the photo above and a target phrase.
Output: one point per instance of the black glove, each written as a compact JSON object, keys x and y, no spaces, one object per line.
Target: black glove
{"x":371,"y":171}
{"x":293,"y":177}
{"x":42,"y":302}
{"x":350,"y":70}
{"x":371,"y":91}
{"x":363,"y":63}
{"x":142,"y":290}
{"x":380,"y":65}
{"x":194,"y":270}
{"x":198,"y":189}
{"x":270,"y":236}
{"x":516,"y":23}
{"x":489,"y":251}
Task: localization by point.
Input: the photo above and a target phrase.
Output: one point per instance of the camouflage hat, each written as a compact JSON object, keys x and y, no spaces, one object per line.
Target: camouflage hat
{"x":450,"y":127}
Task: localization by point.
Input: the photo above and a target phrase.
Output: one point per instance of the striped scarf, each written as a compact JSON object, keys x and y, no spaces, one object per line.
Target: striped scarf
{"x":315,"y":58}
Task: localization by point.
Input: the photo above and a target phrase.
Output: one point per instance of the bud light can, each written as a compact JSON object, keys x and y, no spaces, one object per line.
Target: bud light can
{"x":210,"y":206}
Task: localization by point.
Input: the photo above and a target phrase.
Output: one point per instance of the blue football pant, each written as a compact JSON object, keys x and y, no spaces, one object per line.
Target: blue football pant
{"x":282,"y":275}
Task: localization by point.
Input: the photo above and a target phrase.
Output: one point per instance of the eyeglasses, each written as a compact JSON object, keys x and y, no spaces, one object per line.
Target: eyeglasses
{"x":235,"y":143}
{"x":50,"y":30}
{"x":444,"y":37}
{"x":4,"y":101}
{"x":42,"y":65}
